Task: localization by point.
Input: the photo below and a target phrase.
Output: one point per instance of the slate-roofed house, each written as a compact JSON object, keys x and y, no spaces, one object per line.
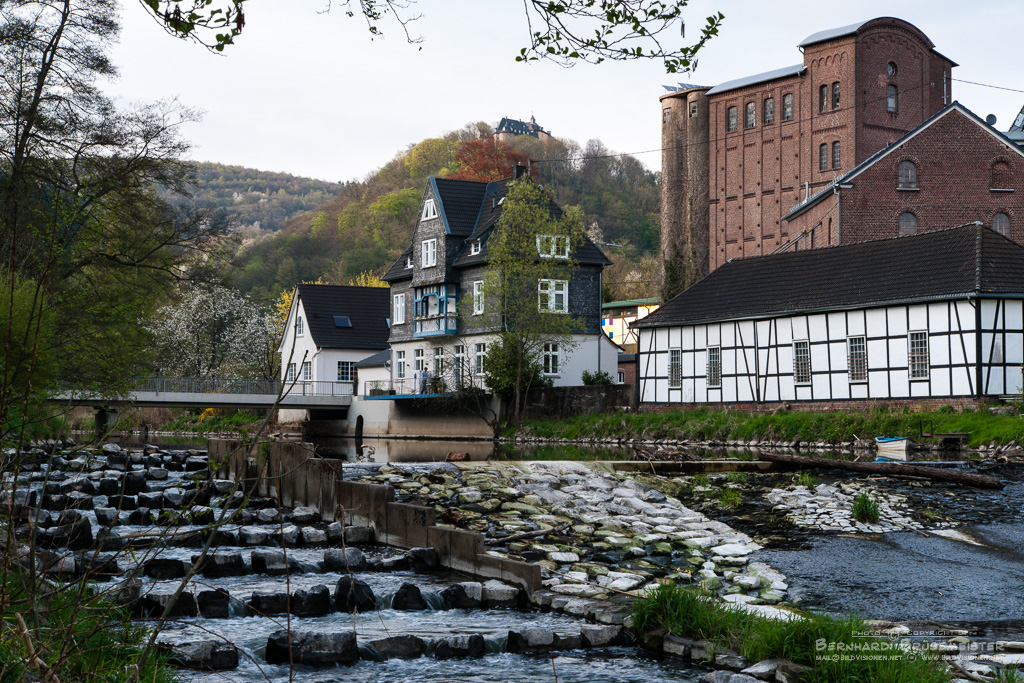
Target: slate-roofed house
{"x":329,"y":329}
{"x":937,"y":315}
{"x":510,"y":128}
{"x":438,"y":324}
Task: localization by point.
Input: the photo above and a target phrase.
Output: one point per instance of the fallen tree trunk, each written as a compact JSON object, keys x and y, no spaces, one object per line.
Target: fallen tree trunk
{"x":528,"y":534}
{"x":889,"y":468}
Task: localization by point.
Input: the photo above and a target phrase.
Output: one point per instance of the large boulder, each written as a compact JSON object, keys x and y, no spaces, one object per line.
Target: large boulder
{"x":424,"y":559}
{"x":460,"y":646}
{"x":219,"y":565}
{"x":202,"y":655}
{"x":273,"y":563}
{"x":498,"y":594}
{"x":530,"y":639}
{"x":215,"y":604}
{"x":466,"y":595}
{"x":409,"y":598}
{"x":160,"y":568}
{"x":399,"y":647}
{"x":72,"y":532}
{"x":312,"y":648}
{"x":154,"y":604}
{"x":353,"y":595}
{"x":344,"y":560}
{"x":314,"y":602}
{"x":269,"y":602}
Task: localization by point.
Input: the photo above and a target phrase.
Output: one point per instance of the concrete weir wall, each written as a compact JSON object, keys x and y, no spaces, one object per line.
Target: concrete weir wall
{"x":292,"y":473}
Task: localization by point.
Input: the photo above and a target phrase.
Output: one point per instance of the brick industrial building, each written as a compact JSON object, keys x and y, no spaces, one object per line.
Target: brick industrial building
{"x":741,"y":156}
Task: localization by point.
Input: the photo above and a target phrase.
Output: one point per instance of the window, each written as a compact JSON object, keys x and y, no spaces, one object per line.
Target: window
{"x":787,"y":107}
{"x":1001,"y":224}
{"x":802,"y":362}
{"x":408,"y":262}
{"x":823,"y":157}
{"x":553,"y":295}
{"x":714,"y":366}
{"x":835,"y":95}
{"x":857,"y":359}
{"x":918,"y":358}
{"x":891,"y":99}
{"x":906,"y":175}
{"x":400,"y":364}
{"x":429,"y":253}
{"x":1001,"y":176}
{"x":693,"y":110}
{"x":479,"y":354}
{"x":553,"y":246}
{"x":300,"y":327}
{"x":666,"y":115}
{"x":346,"y":370}
{"x":459,"y":368}
{"x":474,"y":247}
{"x":731,"y":118}
{"x":439,"y":361}
{"x":908,"y":224}
{"x":551,"y":358}
{"x":478,"y":297}
{"x":769,"y":111}
{"x":835,"y":155}
{"x":307,"y":370}
{"x":675,"y":368}
{"x":417,"y":360}
{"x":751,"y":115}
{"x":429,"y":210}
{"x":290,"y":375}
{"x":891,"y":68}
{"x":398,"y":314}
{"x":822,"y":98}
{"x":621,"y":377}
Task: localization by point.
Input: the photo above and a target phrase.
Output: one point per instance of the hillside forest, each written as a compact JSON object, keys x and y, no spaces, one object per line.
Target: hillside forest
{"x":366,"y":224}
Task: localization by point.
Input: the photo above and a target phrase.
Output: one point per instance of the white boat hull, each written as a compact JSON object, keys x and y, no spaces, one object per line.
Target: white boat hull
{"x":893,"y":449}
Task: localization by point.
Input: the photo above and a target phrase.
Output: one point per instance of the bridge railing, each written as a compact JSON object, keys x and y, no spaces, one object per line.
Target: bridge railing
{"x":223,"y":385}
{"x":422,"y":386}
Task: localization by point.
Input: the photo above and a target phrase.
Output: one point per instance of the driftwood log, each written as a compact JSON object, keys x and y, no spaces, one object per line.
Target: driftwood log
{"x":528,"y":534}
{"x":889,"y":468}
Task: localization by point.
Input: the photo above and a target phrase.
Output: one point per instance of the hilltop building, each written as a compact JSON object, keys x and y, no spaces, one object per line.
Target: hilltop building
{"x":510,"y":128}
{"x":740,"y":155}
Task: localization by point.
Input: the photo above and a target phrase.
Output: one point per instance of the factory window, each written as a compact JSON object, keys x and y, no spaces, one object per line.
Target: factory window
{"x":835,"y":155}
{"x":769,"y":111}
{"x":751,"y":115}
{"x":823,"y":98}
{"x":906,"y":176}
{"x":908,"y":224}
{"x":835,"y":95}
{"x":731,"y":118}
{"x":891,"y":99}
{"x":823,"y":157}
{"x":693,"y":110}
{"x":787,"y":107}
{"x":666,"y":115}
{"x":1001,"y":224}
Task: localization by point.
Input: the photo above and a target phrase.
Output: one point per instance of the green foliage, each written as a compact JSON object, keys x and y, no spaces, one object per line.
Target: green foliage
{"x":865,"y":509}
{"x":599,"y":377}
{"x":736,"y":477}
{"x":700,"y":481}
{"x":205,"y":423}
{"x":807,"y":479}
{"x":500,"y":369}
{"x":729,"y":499}
{"x":697,"y":614}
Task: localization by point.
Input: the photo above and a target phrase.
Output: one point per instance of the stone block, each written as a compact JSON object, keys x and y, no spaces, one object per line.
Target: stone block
{"x":466,"y":595}
{"x":214,"y":604}
{"x":312,"y":648}
{"x":409,"y":598}
{"x":344,"y":560}
{"x":460,"y":646}
{"x":353,"y":595}
{"x":314,"y":602}
{"x":530,"y":639}
{"x":399,"y":647}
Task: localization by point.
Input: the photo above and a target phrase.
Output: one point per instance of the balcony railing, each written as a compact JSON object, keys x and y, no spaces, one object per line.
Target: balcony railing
{"x":433,"y":325}
{"x":430,"y":387}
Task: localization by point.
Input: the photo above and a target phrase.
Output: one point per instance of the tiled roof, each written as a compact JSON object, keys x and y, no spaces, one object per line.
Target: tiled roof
{"x":955,"y":262}
{"x":397,"y":270}
{"x":368,"y":308}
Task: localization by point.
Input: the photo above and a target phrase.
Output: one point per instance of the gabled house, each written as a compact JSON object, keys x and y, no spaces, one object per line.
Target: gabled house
{"x":439,"y":330}
{"x":933,"y":316}
{"x":329,"y":329}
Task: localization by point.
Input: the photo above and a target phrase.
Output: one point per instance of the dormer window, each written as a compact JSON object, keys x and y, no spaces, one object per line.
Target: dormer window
{"x":429,"y":210}
{"x":474,"y":247}
{"x":408,"y":262}
{"x":553,"y":246}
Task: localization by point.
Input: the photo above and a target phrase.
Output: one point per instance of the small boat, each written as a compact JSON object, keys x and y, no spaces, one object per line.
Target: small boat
{"x":892,"y":447}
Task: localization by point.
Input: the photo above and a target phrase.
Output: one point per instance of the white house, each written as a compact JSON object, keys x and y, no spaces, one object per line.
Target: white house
{"x":329,"y":329}
{"x":441,"y":323}
{"x":936,"y":315}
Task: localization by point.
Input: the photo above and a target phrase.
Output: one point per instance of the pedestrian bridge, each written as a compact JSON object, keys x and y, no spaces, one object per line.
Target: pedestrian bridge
{"x":181,"y":392}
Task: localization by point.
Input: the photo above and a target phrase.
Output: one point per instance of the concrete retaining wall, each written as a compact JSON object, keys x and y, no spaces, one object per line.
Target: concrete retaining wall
{"x":290,"y":472}
{"x":555,"y":402}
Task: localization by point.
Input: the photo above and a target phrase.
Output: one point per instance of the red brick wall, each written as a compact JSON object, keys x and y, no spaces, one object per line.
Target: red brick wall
{"x":629,"y":371}
{"x":954,"y":157}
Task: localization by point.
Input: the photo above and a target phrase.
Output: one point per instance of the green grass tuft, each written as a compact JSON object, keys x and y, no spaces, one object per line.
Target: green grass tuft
{"x":865,"y":509}
{"x":807,"y":479}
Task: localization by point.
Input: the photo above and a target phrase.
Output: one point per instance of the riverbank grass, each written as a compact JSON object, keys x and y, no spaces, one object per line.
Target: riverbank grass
{"x":212,"y":420}
{"x":836,"y":650}
{"x":705,"y":424}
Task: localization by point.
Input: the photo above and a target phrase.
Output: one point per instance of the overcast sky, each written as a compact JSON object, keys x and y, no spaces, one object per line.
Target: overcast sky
{"x":311,"y":94}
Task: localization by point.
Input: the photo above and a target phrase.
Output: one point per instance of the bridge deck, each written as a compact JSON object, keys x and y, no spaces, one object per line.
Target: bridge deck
{"x":219,"y":393}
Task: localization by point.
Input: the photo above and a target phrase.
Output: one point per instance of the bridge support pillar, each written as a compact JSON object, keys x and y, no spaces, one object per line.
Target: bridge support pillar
{"x":106,"y":418}
{"x":323,"y":428}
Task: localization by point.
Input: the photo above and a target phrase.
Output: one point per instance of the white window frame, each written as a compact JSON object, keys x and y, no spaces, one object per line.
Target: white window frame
{"x":919,"y":360}
{"x":479,"y":354}
{"x":439,"y":361}
{"x":428,"y":253}
{"x":289,"y":375}
{"x":478,"y":297}
{"x":398,"y":314}
{"x":307,"y":371}
{"x":408,"y":261}
{"x":459,"y":367}
{"x":429,"y":210}
{"x":552,"y":359}
{"x":621,"y":377}
{"x":714,"y":369}
{"x":300,"y":327}
{"x":474,"y":247}
{"x":346,"y":370}
{"x":548,"y":293}
{"x":802,"y":373}
{"x":399,"y":364}
{"x":417,"y":361}
{"x":675,"y":368}
{"x":553,"y":246}
{"x":857,"y":359}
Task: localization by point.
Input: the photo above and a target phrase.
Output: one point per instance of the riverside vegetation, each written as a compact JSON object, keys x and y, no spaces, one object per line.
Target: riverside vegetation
{"x":703,"y":424}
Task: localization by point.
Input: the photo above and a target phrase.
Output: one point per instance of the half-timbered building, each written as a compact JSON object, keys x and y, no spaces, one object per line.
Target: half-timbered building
{"x":931,"y":316}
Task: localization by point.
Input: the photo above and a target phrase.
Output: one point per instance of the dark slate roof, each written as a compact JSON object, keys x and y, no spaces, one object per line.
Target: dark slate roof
{"x":460,"y":203}
{"x":397,"y":270}
{"x":951,"y":263}
{"x":367,"y":307}
{"x":376,"y":360}
{"x":517,"y":127}
{"x":850,"y":175}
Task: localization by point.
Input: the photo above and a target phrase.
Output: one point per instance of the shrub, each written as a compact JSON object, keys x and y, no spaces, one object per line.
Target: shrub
{"x":730,"y":498}
{"x":865,"y":509}
{"x":807,"y":479}
{"x":596,"y":378}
